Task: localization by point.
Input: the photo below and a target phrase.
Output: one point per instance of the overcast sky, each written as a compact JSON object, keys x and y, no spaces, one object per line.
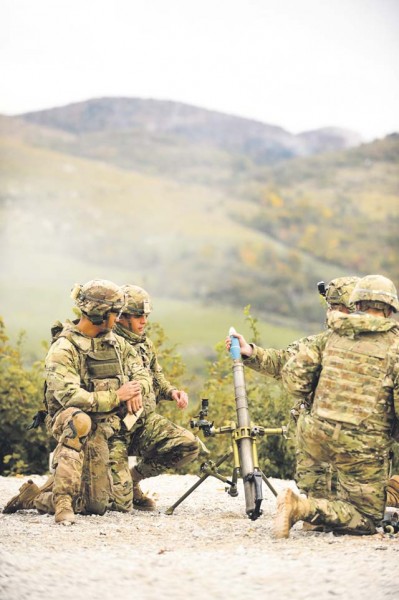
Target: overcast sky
{"x":299,"y":64}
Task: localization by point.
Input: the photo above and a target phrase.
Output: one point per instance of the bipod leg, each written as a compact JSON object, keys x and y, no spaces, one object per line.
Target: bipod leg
{"x":269,"y":485}
{"x":209,"y":469}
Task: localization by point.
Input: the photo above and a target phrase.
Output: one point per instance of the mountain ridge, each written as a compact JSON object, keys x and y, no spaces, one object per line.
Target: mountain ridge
{"x":189,"y":221}
{"x":261,"y":141}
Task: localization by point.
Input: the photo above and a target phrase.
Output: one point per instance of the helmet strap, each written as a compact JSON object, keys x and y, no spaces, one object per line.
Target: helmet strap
{"x":96,"y":319}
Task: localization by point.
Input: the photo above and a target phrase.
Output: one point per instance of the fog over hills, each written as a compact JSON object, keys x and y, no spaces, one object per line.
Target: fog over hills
{"x":261,"y":142}
{"x":201,"y":208}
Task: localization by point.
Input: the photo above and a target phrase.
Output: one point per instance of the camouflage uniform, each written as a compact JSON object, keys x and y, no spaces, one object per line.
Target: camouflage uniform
{"x":270,"y":362}
{"x":158,"y":442}
{"x":352,"y":374}
{"x":82,"y":376}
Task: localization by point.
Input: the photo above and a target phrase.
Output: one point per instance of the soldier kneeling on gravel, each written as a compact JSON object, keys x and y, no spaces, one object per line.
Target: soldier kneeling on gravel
{"x":319,"y":481}
{"x":159,"y":443}
{"x":91,"y":376}
{"x":352,"y":377}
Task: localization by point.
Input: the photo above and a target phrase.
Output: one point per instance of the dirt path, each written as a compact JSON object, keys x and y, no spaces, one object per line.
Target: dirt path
{"x":207,"y":549}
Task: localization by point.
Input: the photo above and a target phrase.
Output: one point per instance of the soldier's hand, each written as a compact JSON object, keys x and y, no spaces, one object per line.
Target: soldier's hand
{"x":130,"y":393}
{"x":180,"y":397}
{"x":245,"y":348}
{"x":134,"y":404}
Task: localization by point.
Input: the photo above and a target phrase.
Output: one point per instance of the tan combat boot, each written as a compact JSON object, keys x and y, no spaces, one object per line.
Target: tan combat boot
{"x":24,"y":499}
{"x":393,"y":491}
{"x":290,"y":509}
{"x":64,"y":514}
{"x":140,"y":500}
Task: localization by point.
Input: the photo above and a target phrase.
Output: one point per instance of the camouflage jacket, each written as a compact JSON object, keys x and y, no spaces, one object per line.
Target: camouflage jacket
{"x":350,"y":371}
{"x":269,"y":361}
{"x":85,"y":372}
{"x":146,"y":350}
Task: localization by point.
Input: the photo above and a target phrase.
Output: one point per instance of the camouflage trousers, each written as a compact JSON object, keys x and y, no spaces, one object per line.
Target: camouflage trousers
{"x":159,"y":444}
{"x":318,"y":480}
{"x":361,"y":462}
{"x":83,"y":474}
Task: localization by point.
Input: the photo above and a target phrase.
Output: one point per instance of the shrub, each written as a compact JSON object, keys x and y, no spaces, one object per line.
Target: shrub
{"x":21,"y":396}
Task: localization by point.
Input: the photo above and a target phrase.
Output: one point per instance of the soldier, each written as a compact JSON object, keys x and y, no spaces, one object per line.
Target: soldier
{"x":270,"y":362}
{"x":352,"y":379}
{"x":91,"y":376}
{"x":158,"y":442}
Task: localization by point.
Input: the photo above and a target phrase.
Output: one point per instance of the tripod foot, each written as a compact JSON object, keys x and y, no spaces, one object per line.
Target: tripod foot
{"x":232,"y":491}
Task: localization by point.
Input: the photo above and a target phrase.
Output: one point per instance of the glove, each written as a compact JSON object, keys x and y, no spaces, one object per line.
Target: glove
{"x":38,"y":419}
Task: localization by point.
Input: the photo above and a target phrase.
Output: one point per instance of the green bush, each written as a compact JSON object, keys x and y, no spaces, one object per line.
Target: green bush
{"x":21,"y":396}
{"x":173,"y":369}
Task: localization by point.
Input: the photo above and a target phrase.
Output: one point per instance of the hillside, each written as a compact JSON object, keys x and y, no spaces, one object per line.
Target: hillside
{"x":63,"y":217}
{"x":195,"y":222}
{"x":260,"y":142}
{"x":176,"y":140}
{"x":341,"y":207}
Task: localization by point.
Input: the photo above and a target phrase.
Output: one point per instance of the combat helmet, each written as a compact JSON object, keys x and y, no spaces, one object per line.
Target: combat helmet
{"x":97,"y":298}
{"x":377,"y":291}
{"x":338,"y":291}
{"x":138,"y":301}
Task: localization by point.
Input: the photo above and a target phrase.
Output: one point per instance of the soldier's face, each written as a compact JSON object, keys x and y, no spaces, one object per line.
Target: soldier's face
{"x":340,"y":307}
{"x":138,"y":324}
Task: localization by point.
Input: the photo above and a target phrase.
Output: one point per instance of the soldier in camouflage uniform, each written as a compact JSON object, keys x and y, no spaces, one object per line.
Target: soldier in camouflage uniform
{"x":92,"y":378}
{"x":351,"y":379}
{"x":158,"y":442}
{"x":270,"y":362}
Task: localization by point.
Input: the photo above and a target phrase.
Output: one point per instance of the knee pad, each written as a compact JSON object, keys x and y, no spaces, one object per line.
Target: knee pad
{"x":76,"y":430}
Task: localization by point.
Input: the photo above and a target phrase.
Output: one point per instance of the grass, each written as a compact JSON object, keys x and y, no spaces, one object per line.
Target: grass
{"x":195,"y":328}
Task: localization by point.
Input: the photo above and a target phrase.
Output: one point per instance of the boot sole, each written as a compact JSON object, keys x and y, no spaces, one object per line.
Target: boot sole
{"x":144,"y":508}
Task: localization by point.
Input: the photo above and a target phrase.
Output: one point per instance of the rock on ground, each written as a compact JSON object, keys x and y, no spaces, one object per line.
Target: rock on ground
{"x":207,"y":549}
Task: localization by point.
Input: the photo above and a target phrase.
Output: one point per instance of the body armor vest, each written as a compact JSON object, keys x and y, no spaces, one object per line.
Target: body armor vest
{"x":104,"y":369}
{"x":101,"y":368}
{"x":351,"y":384}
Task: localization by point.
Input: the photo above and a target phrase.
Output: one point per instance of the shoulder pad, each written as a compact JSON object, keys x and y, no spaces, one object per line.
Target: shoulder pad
{"x":55,"y":330}
{"x":75,"y":338}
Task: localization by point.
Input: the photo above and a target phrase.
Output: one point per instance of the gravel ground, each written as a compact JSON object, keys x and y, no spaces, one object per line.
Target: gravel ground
{"x":207,"y":549}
